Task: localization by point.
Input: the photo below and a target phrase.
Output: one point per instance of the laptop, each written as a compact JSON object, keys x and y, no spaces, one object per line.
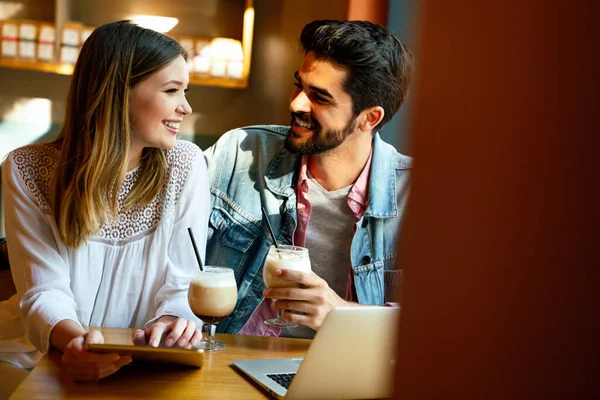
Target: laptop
{"x":351,"y":357}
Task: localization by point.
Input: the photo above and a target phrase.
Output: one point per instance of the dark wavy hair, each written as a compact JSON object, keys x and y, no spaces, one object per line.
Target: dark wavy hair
{"x":379,"y":66}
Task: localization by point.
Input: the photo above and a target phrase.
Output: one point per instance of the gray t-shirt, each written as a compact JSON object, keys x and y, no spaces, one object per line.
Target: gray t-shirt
{"x":328,"y":240}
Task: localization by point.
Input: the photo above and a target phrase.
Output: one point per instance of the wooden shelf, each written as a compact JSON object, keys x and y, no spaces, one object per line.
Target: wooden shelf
{"x":219,"y":82}
{"x":62,"y":69}
{"x":67,"y":69}
{"x":62,"y":15}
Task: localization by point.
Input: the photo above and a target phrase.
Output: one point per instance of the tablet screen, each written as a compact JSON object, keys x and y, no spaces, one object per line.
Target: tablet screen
{"x":155,"y":355}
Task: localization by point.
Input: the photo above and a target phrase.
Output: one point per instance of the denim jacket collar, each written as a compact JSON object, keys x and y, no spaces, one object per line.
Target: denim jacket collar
{"x":382,"y":182}
{"x":281,"y":175}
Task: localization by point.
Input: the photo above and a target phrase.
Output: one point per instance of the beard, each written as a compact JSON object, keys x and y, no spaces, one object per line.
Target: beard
{"x":321,"y":140}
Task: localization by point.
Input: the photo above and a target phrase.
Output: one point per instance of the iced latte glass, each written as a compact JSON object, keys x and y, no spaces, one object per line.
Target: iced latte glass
{"x":284,"y":257}
{"x":212,"y":296}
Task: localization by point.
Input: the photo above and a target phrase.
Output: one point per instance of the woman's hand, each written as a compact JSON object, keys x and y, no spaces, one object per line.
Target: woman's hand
{"x":83,"y":365}
{"x":167,"y":331}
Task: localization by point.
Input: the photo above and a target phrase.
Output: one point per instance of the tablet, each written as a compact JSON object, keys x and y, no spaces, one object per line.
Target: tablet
{"x":154,"y":355}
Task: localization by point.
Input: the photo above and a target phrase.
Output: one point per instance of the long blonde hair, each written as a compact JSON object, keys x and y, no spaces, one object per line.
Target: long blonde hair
{"x":94,"y":141}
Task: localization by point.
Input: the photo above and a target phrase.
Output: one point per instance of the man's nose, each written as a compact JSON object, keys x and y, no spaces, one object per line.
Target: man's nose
{"x":300,"y":102}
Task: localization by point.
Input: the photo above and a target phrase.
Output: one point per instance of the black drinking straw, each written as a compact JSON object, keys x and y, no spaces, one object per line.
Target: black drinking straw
{"x":269,"y":227}
{"x":195,"y":249}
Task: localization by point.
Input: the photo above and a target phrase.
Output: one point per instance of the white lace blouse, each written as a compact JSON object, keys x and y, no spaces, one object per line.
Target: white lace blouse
{"x":136,"y":269}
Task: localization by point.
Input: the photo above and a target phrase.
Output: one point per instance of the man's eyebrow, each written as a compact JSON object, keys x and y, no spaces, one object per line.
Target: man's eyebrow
{"x":321,"y":91}
{"x":173,"y":81}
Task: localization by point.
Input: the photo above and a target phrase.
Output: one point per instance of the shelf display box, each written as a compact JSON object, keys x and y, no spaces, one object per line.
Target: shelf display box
{"x":45,"y":42}
{"x":235,"y":68}
{"x":69,"y":46}
{"x":27,"y":40}
{"x":235,"y":60}
{"x":226,"y":58}
{"x":188,"y":44}
{"x":85,"y":33}
{"x":10,"y":39}
{"x":202,"y":54}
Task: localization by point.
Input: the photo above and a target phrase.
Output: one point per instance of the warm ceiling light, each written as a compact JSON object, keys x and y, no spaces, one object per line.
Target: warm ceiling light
{"x":159,"y":24}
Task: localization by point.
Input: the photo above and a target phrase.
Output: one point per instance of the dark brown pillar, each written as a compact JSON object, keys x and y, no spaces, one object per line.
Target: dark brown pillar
{"x":501,"y":247}
{"x":375,"y":11}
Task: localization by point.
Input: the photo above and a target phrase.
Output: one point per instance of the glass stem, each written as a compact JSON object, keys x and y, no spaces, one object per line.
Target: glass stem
{"x":209,"y":331}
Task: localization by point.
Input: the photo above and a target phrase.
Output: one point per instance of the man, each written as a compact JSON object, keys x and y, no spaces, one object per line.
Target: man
{"x":328,"y":183}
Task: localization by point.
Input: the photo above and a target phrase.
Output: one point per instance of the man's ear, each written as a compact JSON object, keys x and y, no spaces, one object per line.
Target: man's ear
{"x":372,"y":117}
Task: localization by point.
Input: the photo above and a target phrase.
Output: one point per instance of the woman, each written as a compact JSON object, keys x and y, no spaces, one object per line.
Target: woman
{"x":98,"y":218}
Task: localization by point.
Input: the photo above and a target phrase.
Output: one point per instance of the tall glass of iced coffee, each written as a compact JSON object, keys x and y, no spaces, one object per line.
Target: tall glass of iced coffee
{"x":212,"y":296}
{"x":284,"y":257}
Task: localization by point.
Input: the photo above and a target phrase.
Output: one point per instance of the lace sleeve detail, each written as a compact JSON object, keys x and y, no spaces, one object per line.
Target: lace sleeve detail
{"x":35,"y":164}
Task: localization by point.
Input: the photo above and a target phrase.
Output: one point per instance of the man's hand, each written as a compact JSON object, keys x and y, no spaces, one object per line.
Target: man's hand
{"x":167,"y":331}
{"x":314,"y":298}
{"x":83,"y":365}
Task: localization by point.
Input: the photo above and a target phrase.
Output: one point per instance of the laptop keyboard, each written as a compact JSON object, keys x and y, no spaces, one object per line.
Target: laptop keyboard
{"x":283,"y":379}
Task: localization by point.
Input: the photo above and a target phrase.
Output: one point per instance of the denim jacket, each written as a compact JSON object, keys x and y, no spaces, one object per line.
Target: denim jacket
{"x":249,"y":169}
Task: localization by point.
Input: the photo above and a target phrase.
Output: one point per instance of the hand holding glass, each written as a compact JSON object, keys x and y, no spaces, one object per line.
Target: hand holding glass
{"x":212,"y":296}
{"x":284,"y":257}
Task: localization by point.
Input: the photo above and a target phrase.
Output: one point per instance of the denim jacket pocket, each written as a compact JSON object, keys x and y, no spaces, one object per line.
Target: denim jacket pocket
{"x":377,"y":282}
{"x":368,"y":281}
{"x":230,"y":239}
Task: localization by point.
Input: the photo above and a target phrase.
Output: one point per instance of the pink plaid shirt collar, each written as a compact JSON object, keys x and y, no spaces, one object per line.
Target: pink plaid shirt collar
{"x":358,"y":197}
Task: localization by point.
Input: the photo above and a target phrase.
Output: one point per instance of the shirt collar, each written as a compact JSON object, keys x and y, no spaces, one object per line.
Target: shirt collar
{"x":358,"y":197}
{"x":303,"y":174}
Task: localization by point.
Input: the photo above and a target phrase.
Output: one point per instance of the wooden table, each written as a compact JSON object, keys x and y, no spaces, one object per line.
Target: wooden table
{"x":216,"y":380}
